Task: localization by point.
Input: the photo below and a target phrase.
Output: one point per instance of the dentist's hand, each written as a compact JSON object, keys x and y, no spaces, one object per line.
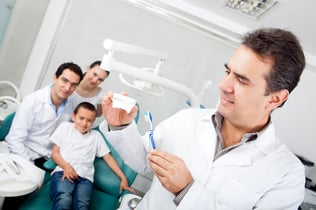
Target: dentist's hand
{"x":116,"y":116}
{"x":170,"y":170}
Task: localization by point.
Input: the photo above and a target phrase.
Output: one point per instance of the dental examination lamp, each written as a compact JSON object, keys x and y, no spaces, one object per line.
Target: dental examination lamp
{"x":143,"y":79}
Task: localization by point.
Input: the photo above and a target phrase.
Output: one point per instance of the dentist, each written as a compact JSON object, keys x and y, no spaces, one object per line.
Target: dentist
{"x":228,"y":158}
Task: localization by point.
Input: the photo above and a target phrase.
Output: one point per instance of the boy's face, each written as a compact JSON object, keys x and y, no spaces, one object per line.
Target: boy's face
{"x":83,"y":119}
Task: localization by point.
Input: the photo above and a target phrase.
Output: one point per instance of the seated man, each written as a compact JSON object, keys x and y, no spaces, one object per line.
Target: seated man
{"x":37,"y":118}
{"x":40,"y":113}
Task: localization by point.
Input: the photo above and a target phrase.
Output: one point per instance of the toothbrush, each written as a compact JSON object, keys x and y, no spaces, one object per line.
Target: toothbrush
{"x":148,"y":117}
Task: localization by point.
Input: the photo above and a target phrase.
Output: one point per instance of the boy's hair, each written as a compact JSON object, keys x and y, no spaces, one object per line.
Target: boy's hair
{"x":85,"y":105}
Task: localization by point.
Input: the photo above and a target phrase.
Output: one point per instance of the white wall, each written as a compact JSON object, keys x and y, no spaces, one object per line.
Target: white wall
{"x":193,"y":59}
{"x":296,"y":120}
{"x":18,"y":42}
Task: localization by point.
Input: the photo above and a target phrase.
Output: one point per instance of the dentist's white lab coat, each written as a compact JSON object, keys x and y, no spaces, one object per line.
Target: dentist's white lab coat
{"x":261,"y":174}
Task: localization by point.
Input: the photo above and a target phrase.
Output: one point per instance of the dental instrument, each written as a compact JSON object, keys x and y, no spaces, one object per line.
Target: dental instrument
{"x":148,"y":117}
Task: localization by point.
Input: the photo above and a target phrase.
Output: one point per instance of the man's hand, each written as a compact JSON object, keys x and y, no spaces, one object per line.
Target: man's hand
{"x":170,"y":170}
{"x":115,"y":116}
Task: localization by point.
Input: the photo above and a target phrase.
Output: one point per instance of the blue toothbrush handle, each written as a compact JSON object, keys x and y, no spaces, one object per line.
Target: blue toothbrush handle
{"x":151,"y":138}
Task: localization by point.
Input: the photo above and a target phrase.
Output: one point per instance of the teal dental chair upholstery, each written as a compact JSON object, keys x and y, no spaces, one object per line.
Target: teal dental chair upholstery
{"x":106,"y":186}
{"x":5,"y":125}
{"x":105,"y":194}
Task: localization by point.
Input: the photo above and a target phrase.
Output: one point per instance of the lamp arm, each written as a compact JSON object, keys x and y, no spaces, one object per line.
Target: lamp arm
{"x":129,"y":70}
{"x":113,"y":45}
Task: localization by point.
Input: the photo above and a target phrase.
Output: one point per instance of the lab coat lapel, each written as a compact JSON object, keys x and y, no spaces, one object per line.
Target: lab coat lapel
{"x":242,"y":155}
{"x":236,"y":157}
{"x":207,"y":138}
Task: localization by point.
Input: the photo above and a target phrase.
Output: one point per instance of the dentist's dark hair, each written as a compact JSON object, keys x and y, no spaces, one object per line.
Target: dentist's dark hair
{"x":286,"y":53}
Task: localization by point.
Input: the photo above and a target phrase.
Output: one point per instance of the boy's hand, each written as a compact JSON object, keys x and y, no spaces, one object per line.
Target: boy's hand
{"x":124,"y":186}
{"x":69,"y":173}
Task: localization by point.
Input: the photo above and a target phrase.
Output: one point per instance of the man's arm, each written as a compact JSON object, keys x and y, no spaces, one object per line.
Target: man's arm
{"x":18,"y":133}
{"x":117,"y":170}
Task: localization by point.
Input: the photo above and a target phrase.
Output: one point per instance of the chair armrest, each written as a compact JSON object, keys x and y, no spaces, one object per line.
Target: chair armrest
{"x":49,"y":164}
{"x":6,"y":125}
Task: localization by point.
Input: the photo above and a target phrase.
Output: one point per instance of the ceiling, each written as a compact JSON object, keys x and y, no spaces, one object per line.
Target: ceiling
{"x":293,"y":15}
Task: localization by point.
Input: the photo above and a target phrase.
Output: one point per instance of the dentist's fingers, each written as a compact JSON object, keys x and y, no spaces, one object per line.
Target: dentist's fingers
{"x":170,"y":169}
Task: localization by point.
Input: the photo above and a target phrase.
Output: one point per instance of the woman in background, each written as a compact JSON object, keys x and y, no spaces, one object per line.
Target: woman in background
{"x":89,"y":89}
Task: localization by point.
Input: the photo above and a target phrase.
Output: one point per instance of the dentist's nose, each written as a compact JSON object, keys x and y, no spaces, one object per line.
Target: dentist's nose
{"x":226,"y":84}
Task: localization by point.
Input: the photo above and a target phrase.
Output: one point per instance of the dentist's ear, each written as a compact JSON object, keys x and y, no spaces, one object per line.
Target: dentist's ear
{"x":277,"y":98}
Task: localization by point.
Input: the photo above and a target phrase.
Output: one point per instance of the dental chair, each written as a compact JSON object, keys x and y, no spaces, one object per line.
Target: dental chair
{"x":5,"y":125}
{"x":105,"y":194}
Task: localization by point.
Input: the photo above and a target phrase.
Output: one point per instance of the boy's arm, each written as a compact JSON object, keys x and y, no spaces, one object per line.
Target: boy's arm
{"x":69,"y":171}
{"x":117,"y":170}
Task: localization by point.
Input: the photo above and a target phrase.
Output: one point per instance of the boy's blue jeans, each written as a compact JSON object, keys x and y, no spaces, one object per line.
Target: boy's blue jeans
{"x":67,"y":195}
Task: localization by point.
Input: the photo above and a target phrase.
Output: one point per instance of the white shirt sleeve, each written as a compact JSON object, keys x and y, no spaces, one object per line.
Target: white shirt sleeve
{"x":130,"y":145}
{"x":102,"y":148}
{"x":18,"y":133}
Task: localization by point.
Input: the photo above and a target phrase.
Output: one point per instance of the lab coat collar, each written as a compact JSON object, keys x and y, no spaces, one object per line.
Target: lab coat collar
{"x":267,"y":142}
{"x":207,"y":137}
{"x":49,"y":98}
{"x":242,"y":155}
{"x":45,"y":94}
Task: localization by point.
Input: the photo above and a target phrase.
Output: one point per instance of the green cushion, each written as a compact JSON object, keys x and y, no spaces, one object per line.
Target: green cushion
{"x":47,"y":177}
{"x":106,"y":185}
{"x":103,"y":201}
{"x":40,"y":200}
{"x":105,"y":179}
{"x":6,"y":125}
{"x":49,"y":164}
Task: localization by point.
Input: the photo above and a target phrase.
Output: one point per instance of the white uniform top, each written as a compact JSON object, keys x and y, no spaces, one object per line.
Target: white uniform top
{"x":34,"y":122}
{"x":260,"y":174}
{"x":78,"y":149}
{"x":76,"y":99}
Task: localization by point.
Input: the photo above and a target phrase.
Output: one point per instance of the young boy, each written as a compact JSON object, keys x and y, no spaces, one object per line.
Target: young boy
{"x":74,"y":150}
